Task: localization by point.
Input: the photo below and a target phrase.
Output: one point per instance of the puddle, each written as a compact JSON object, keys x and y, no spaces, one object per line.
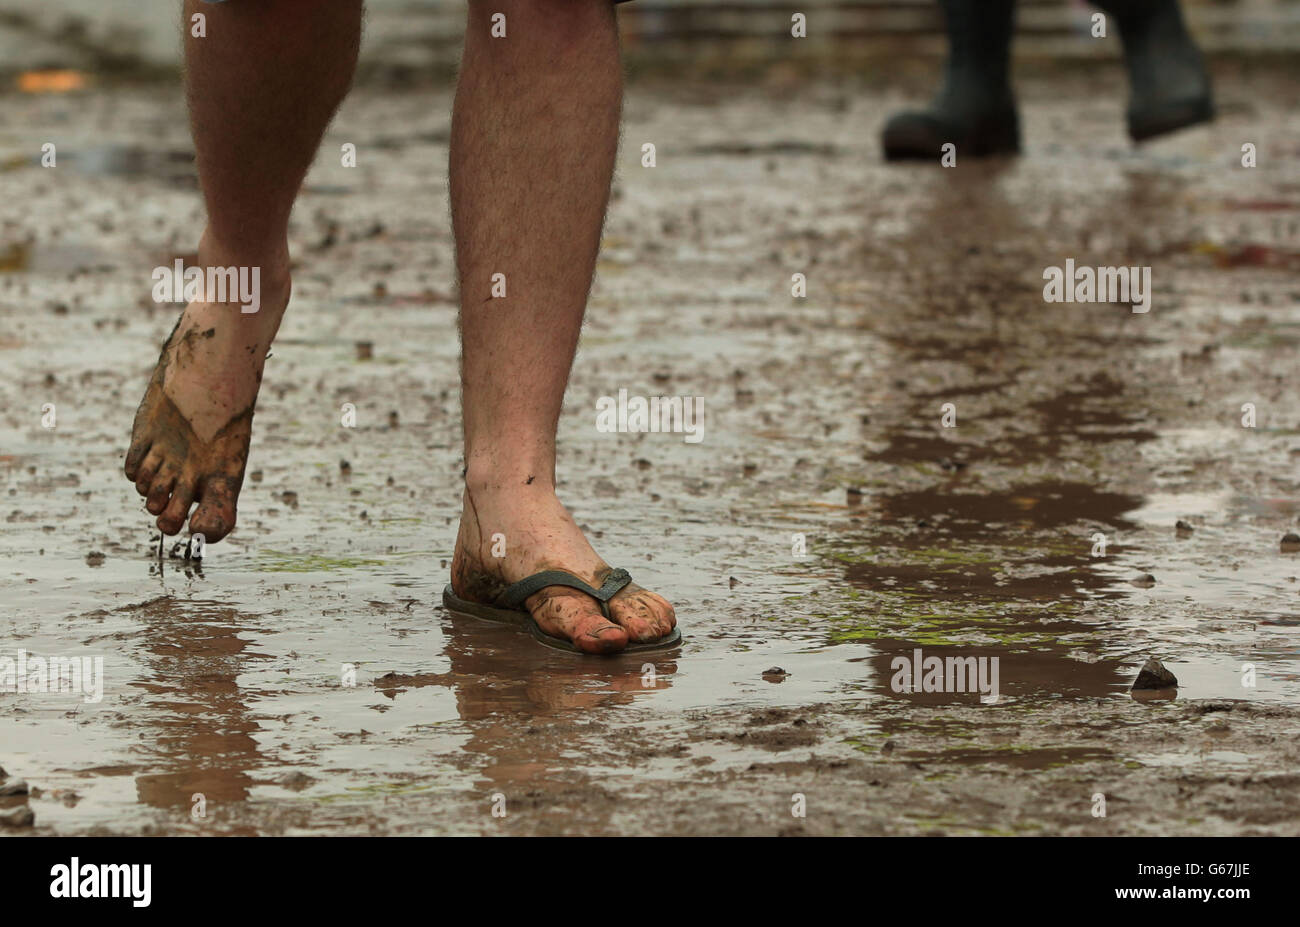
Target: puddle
{"x":166,"y":167}
{"x":305,"y":679}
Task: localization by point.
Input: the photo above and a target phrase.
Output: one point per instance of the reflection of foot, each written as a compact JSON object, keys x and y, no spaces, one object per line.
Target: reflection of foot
{"x":975,"y":110}
{"x":1169,"y":86}
{"x":190,"y":439}
{"x":531,"y":531}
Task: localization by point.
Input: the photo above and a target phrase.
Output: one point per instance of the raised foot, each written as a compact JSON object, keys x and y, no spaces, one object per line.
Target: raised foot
{"x":189,"y":442}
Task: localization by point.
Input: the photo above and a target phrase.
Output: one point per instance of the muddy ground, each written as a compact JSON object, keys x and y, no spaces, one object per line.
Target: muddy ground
{"x":823,"y":419}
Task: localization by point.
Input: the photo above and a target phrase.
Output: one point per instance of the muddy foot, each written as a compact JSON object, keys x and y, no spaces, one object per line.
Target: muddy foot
{"x":530,"y":530}
{"x":189,"y":443}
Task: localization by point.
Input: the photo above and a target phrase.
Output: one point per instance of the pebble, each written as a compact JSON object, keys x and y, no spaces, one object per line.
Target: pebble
{"x":1290,"y":542}
{"x":297,"y":781}
{"x":1153,"y":675}
{"x":13,"y":787}
{"x":1143,"y":581}
{"x":1183,"y":529}
{"x":22,"y":816}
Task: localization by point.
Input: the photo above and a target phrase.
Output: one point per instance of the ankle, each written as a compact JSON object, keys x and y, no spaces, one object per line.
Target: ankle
{"x":486,"y":477}
{"x":271,"y":258}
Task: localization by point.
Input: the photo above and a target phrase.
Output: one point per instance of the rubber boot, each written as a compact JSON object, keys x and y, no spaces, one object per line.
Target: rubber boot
{"x":1168,"y":84}
{"x":975,"y":109}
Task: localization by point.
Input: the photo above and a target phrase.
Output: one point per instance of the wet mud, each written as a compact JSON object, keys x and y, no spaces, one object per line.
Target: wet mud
{"x":303,"y":677}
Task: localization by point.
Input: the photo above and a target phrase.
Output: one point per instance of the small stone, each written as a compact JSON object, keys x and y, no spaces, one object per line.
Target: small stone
{"x":365,"y":350}
{"x":94,"y":559}
{"x":775,"y":671}
{"x":13,"y":787}
{"x":297,"y":781}
{"x":732,"y":582}
{"x":1290,"y":542}
{"x":1153,"y":675}
{"x":22,"y":816}
{"x":255,"y":476}
{"x":392,"y":419}
{"x":289,"y":498}
{"x":1183,"y":529}
{"x":1143,"y":581}
{"x":345,"y":468}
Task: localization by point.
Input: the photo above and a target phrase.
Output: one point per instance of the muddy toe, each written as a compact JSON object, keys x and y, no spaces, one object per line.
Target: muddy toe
{"x":144,"y":477}
{"x":644,"y":615}
{"x":215,"y":516}
{"x":577,"y":617}
{"x":172,"y":518}
{"x":161,"y":491}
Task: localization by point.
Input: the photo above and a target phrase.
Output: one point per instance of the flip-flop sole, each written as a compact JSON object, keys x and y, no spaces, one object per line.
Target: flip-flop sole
{"x":458,"y":606}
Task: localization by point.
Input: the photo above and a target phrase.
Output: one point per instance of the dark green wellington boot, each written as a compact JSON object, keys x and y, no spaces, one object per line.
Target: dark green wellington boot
{"x":975,"y":109}
{"x":1169,"y":86}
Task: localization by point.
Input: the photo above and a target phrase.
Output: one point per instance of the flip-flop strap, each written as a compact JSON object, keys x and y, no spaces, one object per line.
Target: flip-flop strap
{"x":515,"y":595}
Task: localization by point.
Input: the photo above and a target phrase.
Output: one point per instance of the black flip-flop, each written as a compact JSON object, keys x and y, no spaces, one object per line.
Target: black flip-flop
{"x":508,"y":608}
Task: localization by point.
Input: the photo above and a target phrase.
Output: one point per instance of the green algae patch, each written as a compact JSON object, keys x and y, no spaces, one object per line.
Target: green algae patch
{"x":280,"y":562}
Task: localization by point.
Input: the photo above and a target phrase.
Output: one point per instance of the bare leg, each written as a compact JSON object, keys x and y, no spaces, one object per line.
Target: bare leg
{"x":534,"y":135}
{"x":262,"y":85}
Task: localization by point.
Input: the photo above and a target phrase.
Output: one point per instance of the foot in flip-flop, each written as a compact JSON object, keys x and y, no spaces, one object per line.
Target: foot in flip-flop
{"x":189,"y":443}
{"x":521,"y":559}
